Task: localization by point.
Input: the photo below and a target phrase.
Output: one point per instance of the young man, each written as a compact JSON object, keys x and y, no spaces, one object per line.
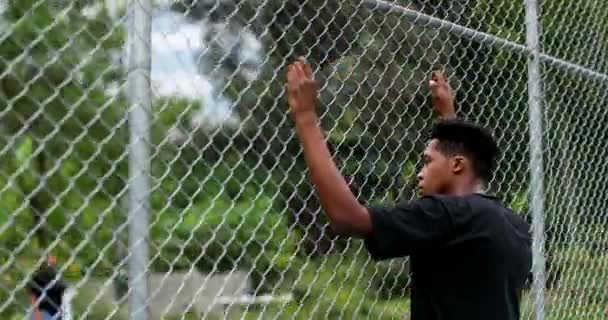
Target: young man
{"x":469,"y":254}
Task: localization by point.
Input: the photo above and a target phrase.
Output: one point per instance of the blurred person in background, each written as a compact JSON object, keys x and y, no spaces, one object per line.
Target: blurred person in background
{"x":45,"y":291}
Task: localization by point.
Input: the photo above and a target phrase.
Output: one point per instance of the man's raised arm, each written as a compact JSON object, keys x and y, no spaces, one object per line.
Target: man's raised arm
{"x":347,"y":216}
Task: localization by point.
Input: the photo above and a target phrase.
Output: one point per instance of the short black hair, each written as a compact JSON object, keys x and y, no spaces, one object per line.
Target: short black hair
{"x":459,"y":136}
{"x":45,"y":285}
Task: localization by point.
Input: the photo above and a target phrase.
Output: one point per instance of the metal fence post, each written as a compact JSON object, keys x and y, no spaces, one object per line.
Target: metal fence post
{"x":536,"y":157}
{"x":139,"y":154}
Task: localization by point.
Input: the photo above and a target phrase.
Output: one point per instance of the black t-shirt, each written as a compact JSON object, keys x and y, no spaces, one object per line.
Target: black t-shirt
{"x":469,"y":255}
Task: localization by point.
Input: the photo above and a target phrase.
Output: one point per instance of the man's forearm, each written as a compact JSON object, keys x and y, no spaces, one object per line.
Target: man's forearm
{"x":346,"y":214}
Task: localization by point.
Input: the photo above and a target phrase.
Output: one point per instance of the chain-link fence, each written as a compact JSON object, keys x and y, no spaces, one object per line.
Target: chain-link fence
{"x":147,"y":150}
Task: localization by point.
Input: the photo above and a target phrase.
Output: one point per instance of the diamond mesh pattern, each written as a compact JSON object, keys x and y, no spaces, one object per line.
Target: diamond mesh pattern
{"x":236,"y":230}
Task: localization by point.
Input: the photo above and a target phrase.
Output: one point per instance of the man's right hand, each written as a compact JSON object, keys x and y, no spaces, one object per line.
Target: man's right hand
{"x":442,"y":95}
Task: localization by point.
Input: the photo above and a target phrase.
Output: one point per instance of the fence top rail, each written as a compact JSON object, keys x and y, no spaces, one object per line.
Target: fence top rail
{"x":482,"y":37}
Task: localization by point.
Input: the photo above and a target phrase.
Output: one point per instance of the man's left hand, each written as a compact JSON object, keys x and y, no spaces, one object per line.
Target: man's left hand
{"x":443,"y":95}
{"x":301,"y":89}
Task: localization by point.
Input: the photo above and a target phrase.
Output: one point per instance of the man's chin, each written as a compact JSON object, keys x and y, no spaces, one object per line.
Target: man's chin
{"x":421,"y":193}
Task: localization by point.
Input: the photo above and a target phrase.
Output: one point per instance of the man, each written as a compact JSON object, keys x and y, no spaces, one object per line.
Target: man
{"x":45,"y":293}
{"x":469,"y":254}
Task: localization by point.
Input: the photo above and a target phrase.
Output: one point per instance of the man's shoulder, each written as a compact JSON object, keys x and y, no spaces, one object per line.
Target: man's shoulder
{"x":472,"y":197}
{"x":479,"y":204}
{"x":466,"y":203}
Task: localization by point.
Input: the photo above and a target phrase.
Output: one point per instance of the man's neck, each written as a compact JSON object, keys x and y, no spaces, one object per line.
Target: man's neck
{"x":466,"y":189}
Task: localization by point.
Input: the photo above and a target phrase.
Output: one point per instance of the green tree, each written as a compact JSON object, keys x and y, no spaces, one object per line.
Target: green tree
{"x":63,"y":136}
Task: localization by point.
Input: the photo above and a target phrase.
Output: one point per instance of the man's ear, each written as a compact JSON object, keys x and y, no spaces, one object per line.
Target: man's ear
{"x":458,"y":163}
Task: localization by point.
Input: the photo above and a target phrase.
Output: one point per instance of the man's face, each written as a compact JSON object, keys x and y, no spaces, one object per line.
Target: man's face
{"x":437,"y":173}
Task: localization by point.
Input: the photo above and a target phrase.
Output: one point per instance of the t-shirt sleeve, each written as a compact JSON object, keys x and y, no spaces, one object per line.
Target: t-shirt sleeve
{"x":406,"y":229}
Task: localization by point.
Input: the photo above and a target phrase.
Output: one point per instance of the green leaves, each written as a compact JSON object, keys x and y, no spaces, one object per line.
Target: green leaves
{"x":220,"y":234}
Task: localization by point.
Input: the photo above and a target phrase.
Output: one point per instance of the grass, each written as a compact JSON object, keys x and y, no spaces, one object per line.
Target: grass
{"x":341,"y":286}
{"x":559,"y":308}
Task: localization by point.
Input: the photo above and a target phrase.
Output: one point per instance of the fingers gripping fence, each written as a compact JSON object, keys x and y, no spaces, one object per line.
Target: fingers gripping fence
{"x":147,"y":153}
